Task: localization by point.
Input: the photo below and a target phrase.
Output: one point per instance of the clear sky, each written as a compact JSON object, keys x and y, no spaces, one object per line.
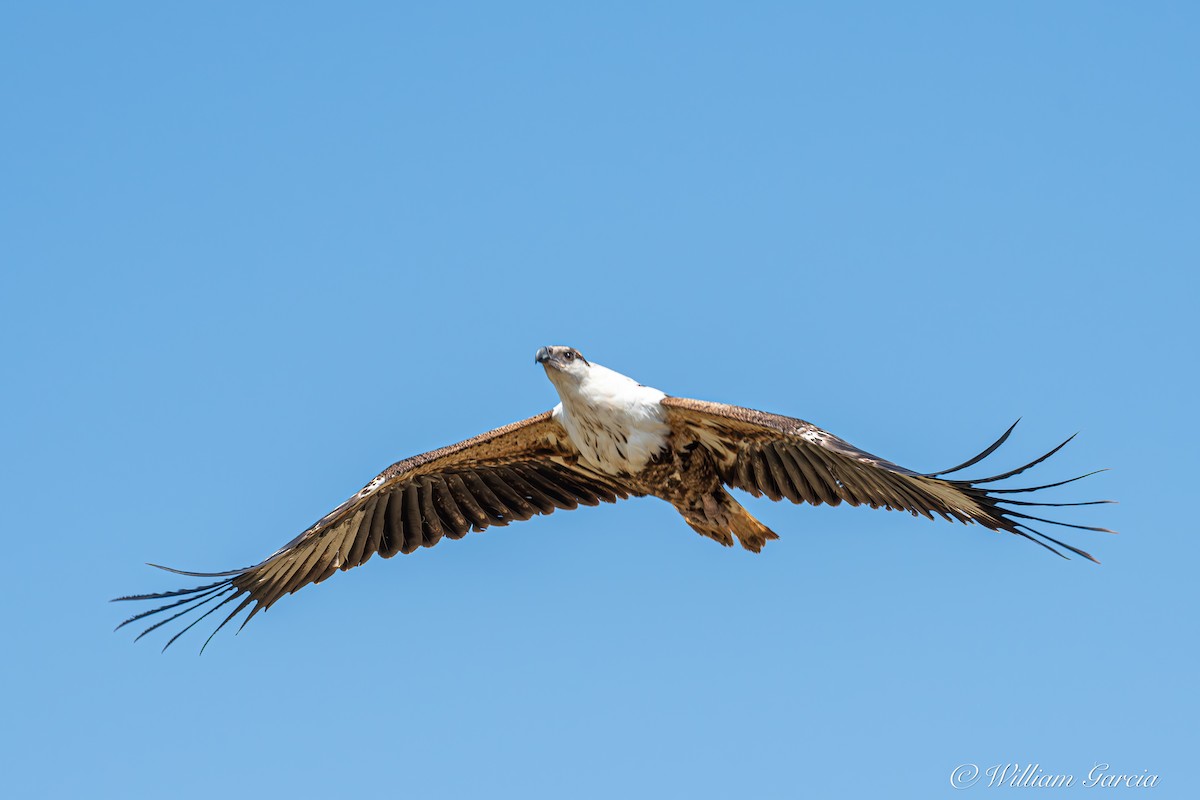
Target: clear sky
{"x":254,"y":253}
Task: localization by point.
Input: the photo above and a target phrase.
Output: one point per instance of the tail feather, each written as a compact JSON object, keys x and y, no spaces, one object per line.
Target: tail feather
{"x":724,"y":518}
{"x":749,"y":531}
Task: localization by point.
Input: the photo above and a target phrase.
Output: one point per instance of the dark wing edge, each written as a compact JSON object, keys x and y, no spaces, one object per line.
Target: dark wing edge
{"x":509,"y":474}
{"x":786,"y":458}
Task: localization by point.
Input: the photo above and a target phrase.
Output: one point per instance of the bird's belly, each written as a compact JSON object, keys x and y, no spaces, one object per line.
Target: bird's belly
{"x":614,"y":440}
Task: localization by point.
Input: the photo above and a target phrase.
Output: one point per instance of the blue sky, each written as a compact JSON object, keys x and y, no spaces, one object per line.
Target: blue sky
{"x":252,"y":255}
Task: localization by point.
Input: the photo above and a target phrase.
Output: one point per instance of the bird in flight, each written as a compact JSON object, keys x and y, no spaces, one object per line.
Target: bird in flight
{"x":609,"y":438}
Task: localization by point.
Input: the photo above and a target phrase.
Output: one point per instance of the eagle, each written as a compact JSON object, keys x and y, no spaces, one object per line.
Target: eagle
{"x":608,"y":439}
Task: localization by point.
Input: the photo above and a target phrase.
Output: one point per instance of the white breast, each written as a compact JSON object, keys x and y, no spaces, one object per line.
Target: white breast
{"x":617,"y":424}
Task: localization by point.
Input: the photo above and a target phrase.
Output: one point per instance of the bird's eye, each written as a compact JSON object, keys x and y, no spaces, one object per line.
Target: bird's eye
{"x":569,"y":355}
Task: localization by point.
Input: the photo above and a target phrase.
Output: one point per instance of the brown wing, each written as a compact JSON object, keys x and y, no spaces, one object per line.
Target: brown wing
{"x":509,"y":474}
{"x":783,"y":457}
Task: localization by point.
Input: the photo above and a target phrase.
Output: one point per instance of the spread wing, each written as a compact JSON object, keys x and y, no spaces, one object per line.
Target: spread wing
{"x":783,"y":457}
{"x":508,"y":474}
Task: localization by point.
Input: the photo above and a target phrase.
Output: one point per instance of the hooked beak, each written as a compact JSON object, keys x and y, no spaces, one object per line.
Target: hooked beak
{"x":543,"y":355}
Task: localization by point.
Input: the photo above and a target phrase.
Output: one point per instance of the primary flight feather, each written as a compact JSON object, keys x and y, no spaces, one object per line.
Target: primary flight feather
{"x":609,"y":438}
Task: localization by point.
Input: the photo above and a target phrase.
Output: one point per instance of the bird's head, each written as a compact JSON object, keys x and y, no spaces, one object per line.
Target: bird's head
{"x":562,"y":364}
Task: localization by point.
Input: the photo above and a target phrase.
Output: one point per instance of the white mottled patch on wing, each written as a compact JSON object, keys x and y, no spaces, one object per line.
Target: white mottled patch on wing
{"x":375,"y":483}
